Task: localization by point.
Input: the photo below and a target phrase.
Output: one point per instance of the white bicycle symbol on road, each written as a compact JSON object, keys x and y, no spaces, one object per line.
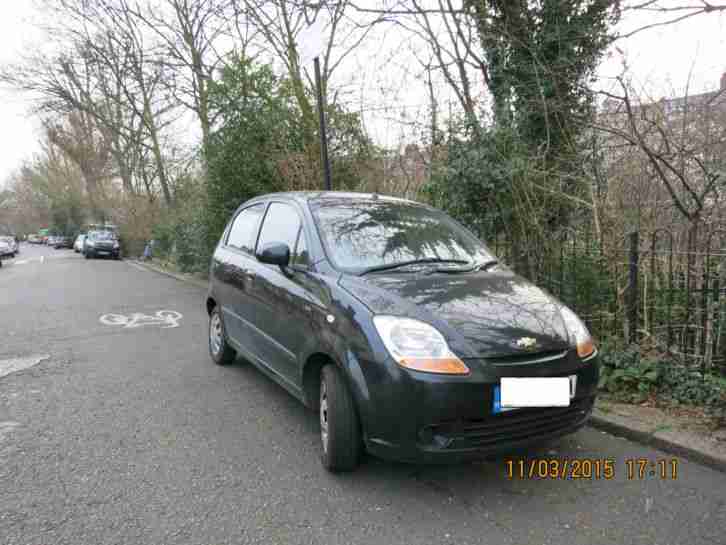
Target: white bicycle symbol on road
{"x":164,"y":318}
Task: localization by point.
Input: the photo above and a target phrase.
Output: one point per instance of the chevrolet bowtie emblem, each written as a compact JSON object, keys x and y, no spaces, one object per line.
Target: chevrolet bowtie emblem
{"x":527,"y":343}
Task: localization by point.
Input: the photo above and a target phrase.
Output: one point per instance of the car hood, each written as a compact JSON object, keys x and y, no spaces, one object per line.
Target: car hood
{"x":481,"y":314}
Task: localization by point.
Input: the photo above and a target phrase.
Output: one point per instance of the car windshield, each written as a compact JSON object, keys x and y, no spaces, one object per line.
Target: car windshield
{"x":371,"y":234}
{"x":104,"y":235}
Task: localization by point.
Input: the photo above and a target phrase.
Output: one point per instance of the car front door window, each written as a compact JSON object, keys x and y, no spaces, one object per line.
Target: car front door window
{"x":281,"y":224}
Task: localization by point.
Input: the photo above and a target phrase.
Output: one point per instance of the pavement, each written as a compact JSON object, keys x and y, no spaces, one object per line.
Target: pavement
{"x":115,"y":427}
{"x":685,"y":435}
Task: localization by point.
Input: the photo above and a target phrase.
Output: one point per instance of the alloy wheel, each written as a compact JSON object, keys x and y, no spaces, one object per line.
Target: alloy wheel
{"x":215,"y":333}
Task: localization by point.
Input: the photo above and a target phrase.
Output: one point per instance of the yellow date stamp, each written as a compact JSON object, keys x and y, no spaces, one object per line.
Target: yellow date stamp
{"x":590,"y":468}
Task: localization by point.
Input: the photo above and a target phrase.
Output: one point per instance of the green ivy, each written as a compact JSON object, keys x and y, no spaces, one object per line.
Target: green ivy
{"x":628,"y":375}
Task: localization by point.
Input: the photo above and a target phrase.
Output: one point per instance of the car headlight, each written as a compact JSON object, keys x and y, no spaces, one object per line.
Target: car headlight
{"x":115,"y":246}
{"x":578,"y":333}
{"x":418,"y":346}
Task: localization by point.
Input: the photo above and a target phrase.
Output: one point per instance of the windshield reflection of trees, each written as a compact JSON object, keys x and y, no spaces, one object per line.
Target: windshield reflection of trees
{"x":381,"y":233}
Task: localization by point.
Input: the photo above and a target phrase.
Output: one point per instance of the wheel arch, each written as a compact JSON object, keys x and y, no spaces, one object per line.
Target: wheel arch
{"x":351,"y":372}
{"x":311,"y":377}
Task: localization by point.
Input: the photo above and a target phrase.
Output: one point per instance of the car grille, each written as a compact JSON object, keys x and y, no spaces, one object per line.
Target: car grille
{"x":513,"y":425}
{"x":527,"y":358}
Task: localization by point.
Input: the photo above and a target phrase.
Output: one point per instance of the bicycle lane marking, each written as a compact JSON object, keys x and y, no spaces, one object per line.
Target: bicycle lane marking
{"x":165,"y":319}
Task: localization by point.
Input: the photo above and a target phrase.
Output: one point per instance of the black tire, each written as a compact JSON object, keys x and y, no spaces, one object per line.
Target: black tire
{"x":342,"y":446}
{"x":221,"y":352}
{"x":88,"y":255}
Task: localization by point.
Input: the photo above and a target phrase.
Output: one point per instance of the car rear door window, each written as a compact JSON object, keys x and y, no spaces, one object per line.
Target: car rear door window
{"x":281,"y":224}
{"x":244,"y":228}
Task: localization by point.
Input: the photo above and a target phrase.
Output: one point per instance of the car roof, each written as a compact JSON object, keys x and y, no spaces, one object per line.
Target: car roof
{"x":322,"y":196}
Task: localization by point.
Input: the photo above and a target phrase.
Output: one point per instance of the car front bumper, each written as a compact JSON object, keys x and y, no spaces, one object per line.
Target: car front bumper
{"x":425,"y":418}
{"x":104,"y":252}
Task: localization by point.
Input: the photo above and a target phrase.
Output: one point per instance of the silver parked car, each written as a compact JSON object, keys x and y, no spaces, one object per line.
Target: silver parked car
{"x":5,"y":251}
{"x":78,"y":244}
{"x":10,"y":246}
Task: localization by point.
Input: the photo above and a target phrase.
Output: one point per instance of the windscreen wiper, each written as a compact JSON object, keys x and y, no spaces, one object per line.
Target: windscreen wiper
{"x":486,"y":265}
{"x":411,"y":262}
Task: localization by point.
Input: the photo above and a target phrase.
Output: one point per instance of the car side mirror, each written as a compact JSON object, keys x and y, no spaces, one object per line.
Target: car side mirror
{"x":275,"y":253}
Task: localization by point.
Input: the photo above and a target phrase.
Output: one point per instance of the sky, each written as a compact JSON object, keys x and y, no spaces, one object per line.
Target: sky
{"x":18,"y":129}
{"x":662,"y":61}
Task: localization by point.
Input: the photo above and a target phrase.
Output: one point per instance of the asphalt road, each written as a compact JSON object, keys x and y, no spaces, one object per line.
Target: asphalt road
{"x":121,"y":434}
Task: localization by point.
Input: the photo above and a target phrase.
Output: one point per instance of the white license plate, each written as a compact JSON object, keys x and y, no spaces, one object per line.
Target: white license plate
{"x":517,"y":393}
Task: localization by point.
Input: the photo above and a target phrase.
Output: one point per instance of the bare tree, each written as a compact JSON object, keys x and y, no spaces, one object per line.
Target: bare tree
{"x":106,"y":73}
{"x":677,"y":139}
{"x":189,"y":33}
{"x":662,"y":14}
{"x":278,"y":25}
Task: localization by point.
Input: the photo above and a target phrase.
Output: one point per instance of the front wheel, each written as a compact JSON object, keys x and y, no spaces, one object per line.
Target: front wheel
{"x":339,"y":426}
{"x":219,"y":349}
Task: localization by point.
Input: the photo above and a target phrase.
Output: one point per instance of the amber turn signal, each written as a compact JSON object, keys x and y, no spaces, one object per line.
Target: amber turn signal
{"x":444,"y":366}
{"x":585,"y":348}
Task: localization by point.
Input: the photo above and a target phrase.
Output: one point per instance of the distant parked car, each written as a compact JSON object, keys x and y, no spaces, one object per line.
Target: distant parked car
{"x":34,"y":239}
{"x":12,"y":245}
{"x":5,"y":251}
{"x":63,"y":242}
{"x":102,"y":243}
{"x":50,"y":240}
{"x":78,"y":244}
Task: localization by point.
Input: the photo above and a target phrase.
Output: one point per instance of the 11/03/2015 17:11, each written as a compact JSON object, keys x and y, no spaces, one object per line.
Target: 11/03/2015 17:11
{"x":590,"y":468}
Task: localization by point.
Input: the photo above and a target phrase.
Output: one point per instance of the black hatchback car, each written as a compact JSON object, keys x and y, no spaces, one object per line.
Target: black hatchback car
{"x":398,"y":326}
{"x":101,"y":244}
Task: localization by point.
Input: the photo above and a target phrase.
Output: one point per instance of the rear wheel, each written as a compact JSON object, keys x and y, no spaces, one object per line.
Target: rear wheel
{"x":222,"y":353}
{"x":339,"y":426}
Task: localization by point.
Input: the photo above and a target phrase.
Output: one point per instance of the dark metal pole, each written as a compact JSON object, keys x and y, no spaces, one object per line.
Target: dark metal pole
{"x":633,"y":288}
{"x":323,"y":135}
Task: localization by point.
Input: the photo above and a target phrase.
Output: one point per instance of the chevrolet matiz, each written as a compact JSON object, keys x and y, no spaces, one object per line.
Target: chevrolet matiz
{"x":398,"y":327}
